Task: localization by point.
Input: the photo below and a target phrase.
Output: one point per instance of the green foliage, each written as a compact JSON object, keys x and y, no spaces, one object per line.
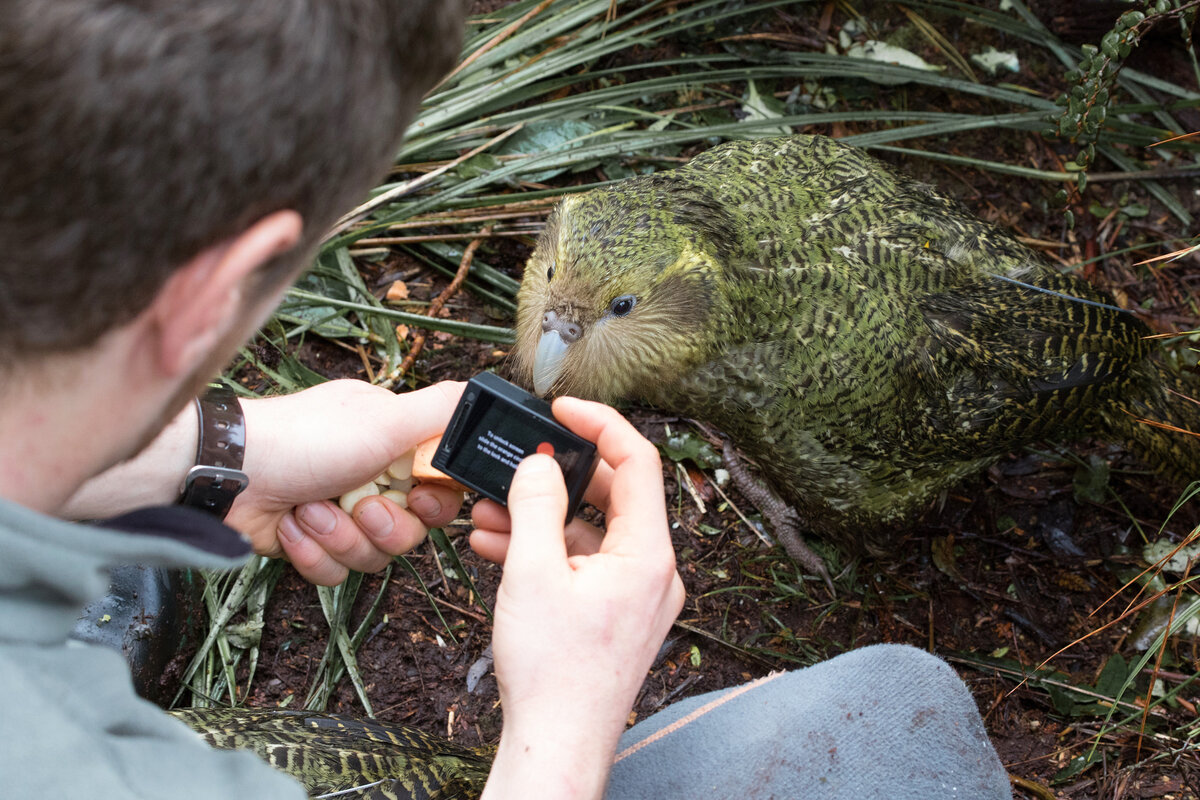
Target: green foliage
{"x":1087,"y":104}
{"x":688,"y":446}
{"x":452,"y":567}
{"x":212,"y":670}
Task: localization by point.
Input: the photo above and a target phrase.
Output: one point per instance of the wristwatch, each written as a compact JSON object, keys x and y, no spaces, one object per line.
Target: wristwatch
{"x":217,"y":478}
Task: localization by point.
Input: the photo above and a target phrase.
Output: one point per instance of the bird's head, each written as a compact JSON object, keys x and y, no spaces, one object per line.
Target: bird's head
{"x":617,"y":297}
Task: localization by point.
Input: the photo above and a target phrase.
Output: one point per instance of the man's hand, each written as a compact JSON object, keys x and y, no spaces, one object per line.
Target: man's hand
{"x":579,"y":618}
{"x":325,"y":441}
{"x":301,"y":449}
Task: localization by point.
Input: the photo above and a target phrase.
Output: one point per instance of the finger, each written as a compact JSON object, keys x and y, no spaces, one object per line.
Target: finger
{"x":597,"y":489}
{"x":492,"y":545}
{"x":307,"y":556}
{"x":340,"y":536}
{"x":390,"y":528}
{"x":582,"y":539}
{"x":435,"y":505}
{"x":599,"y":486}
{"x":264,"y":540}
{"x":490,"y":515}
{"x":537,"y":504}
{"x":422,"y":414}
{"x":636,"y":486}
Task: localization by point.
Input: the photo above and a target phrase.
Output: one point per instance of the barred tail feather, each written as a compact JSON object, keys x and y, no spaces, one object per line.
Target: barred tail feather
{"x":1164,"y":422}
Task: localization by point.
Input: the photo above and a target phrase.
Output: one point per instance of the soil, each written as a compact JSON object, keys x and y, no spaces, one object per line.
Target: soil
{"x":1013,"y":568}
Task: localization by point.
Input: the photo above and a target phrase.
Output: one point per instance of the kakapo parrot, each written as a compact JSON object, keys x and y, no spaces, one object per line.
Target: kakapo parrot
{"x":344,"y":756}
{"x":865,"y":340}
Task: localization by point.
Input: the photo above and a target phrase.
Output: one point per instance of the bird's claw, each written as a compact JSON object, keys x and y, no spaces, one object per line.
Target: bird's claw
{"x":788,"y":536}
{"x":784,"y":521}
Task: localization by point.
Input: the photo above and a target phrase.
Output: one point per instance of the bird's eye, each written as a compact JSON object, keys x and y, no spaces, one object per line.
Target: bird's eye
{"x":622,"y":305}
{"x":550,"y":272}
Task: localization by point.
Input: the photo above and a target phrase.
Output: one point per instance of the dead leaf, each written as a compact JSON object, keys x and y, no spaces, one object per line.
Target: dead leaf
{"x":943,"y":557}
{"x":700,"y":484}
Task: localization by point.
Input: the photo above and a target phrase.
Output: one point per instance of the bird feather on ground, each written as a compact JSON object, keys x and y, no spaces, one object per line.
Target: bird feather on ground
{"x":333,"y":754}
{"x":859,"y":335}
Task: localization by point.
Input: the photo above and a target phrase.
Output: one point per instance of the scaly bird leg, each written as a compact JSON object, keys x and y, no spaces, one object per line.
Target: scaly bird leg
{"x":785,"y":522}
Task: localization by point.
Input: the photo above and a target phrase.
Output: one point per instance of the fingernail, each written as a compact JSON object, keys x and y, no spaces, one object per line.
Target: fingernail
{"x":318,"y":517}
{"x":289,"y":530}
{"x":374,"y":519}
{"x":425,"y":506}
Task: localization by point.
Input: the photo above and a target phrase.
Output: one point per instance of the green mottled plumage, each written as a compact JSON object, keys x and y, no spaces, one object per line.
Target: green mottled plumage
{"x":332,"y":753}
{"x":845,"y":325}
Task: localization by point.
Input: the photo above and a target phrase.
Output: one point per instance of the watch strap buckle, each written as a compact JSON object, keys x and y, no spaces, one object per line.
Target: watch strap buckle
{"x":213,"y":489}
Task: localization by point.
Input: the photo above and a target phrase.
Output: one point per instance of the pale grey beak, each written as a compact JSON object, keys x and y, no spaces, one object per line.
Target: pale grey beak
{"x":548,"y":361}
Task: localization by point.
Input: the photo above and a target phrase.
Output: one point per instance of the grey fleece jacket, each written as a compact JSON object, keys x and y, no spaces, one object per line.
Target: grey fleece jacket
{"x":71,"y":725}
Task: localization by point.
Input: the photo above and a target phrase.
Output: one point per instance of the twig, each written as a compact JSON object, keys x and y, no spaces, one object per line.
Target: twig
{"x":1145,"y":174}
{"x":739,"y":650}
{"x":466,"y":612}
{"x":750,"y":525}
{"x":486,"y":233}
{"x":463,"y":219}
{"x":366,"y":362}
{"x":464,"y":266}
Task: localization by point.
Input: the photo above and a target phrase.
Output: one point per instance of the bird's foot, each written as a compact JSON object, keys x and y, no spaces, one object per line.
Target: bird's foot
{"x":784,"y":521}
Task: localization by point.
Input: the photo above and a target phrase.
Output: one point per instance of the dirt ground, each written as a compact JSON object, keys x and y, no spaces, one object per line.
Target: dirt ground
{"x":1012,"y":569}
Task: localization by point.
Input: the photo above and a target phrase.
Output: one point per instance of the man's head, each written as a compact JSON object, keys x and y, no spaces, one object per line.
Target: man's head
{"x":136,"y":134}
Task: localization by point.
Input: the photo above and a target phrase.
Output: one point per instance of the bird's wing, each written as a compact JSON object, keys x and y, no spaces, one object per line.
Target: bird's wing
{"x":332,"y":753}
{"x":1042,"y":354}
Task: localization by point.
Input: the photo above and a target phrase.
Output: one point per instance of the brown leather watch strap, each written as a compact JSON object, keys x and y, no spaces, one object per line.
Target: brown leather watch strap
{"x":217,"y":478}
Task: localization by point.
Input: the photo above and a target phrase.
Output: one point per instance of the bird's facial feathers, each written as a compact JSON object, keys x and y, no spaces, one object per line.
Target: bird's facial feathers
{"x":613,"y":300}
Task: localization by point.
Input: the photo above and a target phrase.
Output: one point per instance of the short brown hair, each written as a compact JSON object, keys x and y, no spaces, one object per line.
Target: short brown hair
{"x":136,"y":133}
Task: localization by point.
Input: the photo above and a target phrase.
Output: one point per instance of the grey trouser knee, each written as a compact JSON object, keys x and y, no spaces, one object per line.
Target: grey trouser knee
{"x":887,"y":721}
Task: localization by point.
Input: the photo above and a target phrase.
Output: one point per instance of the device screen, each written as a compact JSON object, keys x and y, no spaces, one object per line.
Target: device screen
{"x":492,"y":445}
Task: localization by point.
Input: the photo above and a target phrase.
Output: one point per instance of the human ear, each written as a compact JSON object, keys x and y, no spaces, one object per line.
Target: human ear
{"x":202,"y":301}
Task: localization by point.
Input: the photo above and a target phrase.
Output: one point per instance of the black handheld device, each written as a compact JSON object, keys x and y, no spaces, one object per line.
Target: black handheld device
{"x":495,"y":425}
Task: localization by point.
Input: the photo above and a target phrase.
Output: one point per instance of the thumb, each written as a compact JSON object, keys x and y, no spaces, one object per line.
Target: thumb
{"x":537,"y":506}
{"x":422,"y":414}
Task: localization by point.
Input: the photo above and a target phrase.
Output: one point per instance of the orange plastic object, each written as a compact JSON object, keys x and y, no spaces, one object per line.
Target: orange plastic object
{"x":424,"y":471}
